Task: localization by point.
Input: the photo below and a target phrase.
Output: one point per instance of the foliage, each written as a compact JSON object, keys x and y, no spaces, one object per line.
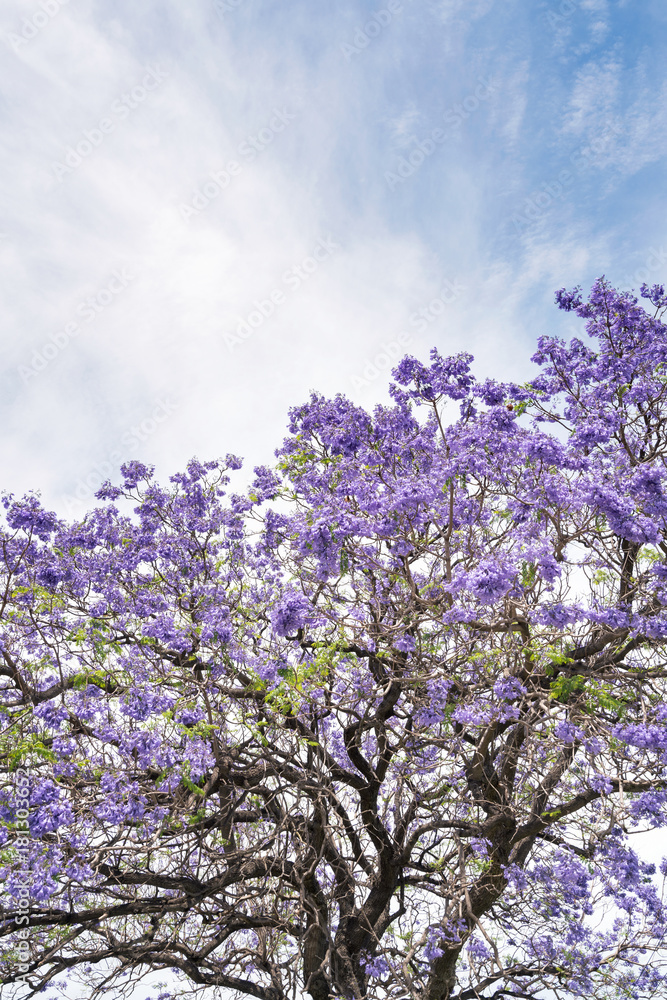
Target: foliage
{"x":383,"y":726}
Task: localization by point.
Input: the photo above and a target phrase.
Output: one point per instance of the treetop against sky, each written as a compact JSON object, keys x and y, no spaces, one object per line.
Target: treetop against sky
{"x":382,"y":726}
{"x":173,"y":174}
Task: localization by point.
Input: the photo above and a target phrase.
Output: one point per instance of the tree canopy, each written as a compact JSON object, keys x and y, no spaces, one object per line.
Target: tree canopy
{"x":382,"y":726}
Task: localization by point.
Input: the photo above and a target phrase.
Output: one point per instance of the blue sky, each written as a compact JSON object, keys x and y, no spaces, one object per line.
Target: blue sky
{"x":210,"y":208}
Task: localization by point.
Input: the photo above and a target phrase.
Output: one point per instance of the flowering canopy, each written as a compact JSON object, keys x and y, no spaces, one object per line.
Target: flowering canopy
{"x":384,"y":726}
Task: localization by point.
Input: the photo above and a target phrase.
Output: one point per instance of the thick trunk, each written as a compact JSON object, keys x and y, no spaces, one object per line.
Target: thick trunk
{"x":314,"y":962}
{"x":483,"y":894}
{"x":349,"y":979}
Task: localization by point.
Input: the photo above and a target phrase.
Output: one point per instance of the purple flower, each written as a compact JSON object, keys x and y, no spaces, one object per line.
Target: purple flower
{"x":292,"y":612}
{"x":266,"y":484}
{"x":508,"y":688}
{"x":490,"y":580}
{"x":28,"y":515}
{"x":567,"y":732}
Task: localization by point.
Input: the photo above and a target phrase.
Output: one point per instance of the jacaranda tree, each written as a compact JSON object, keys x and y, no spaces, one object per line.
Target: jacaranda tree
{"x":384,"y":726}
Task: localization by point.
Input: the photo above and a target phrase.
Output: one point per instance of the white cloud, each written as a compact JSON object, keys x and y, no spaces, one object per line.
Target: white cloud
{"x":621,"y":115}
{"x":595,"y":95}
{"x":403,"y":127}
